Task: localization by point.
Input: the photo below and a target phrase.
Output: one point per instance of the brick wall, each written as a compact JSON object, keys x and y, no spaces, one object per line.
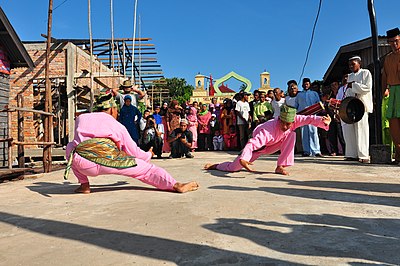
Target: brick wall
{"x":21,"y":81}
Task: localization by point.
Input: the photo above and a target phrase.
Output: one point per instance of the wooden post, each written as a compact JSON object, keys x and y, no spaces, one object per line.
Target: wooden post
{"x":48,"y":121}
{"x":70,"y":91}
{"x":9,"y":116}
{"x":20,"y":114}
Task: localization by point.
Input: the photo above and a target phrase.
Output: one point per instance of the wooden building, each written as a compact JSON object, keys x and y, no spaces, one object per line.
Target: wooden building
{"x":363,"y":48}
{"x":339,"y":67}
{"x":13,"y":55}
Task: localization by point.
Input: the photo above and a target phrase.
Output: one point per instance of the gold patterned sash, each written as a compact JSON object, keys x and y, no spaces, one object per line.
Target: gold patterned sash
{"x":102,"y":151}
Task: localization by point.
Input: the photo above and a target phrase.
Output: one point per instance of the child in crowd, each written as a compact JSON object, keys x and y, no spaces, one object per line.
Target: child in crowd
{"x":214,"y":124}
{"x":218,"y":141}
{"x":230,"y":139}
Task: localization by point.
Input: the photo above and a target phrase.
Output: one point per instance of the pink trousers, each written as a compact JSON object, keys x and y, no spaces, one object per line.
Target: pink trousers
{"x":146,"y":172}
{"x":286,"y":158}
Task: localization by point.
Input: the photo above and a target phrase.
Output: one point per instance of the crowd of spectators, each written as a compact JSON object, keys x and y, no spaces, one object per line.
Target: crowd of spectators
{"x":182,"y":129}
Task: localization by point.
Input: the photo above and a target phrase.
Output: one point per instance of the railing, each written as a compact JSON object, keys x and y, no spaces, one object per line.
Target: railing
{"x":20,"y":142}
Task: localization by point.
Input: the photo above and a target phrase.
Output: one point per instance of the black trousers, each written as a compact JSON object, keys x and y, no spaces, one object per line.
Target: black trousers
{"x":204,"y":142}
{"x":156,"y":143}
{"x":178,"y":149}
{"x":335,"y":137}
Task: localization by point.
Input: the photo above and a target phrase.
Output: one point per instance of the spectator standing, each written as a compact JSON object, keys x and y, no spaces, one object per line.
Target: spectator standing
{"x":290,"y":100}
{"x":203,"y":118}
{"x":130,"y":116}
{"x":230,"y":139}
{"x":277,"y":102}
{"x":129,"y":89}
{"x":260,"y":108}
{"x":252,"y":103}
{"x":173,"y":115}
{"x":193,"y":125}
{"x":227,"y":116}
{"x":391,"y":87}
{"x":336,"y":143}
{"x":309,"y":133}
{"x":359,"y":84}
{"x":243,"y":118}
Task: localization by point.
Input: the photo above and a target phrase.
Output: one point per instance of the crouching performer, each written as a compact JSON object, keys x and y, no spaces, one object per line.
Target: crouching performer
{"x":272,"y":136}
{"x":103,"y":146}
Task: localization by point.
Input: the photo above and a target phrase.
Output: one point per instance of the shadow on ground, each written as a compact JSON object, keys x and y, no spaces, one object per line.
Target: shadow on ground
{"x":338,"y":196}
{"x":179,"y":252}
{"x":335,"y":236}
{"x":47,"y":189}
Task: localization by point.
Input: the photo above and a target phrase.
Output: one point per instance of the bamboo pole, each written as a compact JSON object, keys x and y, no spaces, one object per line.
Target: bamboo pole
{"x":16,"y":108}
{"x":22,"y":143}
{"x":133,"y":42}
{"x":48,"y":101}
{"x":112,"y":40}
{"x":91,"y":58}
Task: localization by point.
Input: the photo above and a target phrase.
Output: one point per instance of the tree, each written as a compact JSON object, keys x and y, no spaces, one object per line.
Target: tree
{"x":179,"y":89}
{"x":243,"y":86}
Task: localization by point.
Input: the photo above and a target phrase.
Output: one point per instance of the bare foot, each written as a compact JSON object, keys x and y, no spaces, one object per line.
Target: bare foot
{"x":210,"y":166}
{"x":186,"y":187}
{"x":280,"y":170}
{"x":246,"y":164}
{"x":83,"y":188}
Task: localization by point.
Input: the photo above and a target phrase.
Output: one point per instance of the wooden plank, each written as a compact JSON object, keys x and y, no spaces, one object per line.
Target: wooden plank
{"x":14,"y":108}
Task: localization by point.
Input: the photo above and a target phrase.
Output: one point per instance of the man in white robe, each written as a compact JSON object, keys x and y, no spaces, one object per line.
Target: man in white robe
{"x":359,"y":84}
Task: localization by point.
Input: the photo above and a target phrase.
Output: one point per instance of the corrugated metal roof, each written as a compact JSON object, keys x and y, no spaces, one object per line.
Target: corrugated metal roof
{"x":9,"y":39}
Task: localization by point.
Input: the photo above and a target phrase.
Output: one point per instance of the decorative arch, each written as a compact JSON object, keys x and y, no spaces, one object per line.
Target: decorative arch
{"x":231,"y":75}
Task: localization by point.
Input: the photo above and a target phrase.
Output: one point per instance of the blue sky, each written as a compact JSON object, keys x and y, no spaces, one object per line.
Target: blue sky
{"x":218,"y":36}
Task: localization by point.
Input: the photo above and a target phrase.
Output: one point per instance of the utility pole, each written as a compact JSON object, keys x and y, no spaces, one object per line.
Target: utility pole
{"x":377,"y":74}
{"x":48,"y":120}
{"x":379,"y":152}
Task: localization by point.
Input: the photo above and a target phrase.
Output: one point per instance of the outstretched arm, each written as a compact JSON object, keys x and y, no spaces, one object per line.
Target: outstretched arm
{"x":318,"y":121}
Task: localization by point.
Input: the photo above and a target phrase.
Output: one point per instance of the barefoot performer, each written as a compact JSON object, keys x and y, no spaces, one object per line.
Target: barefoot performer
{"x":103,"y":146}
{"x":270,"y":137}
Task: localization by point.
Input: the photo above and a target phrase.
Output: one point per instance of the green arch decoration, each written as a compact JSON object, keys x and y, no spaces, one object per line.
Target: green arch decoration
{"x":232,"y":75}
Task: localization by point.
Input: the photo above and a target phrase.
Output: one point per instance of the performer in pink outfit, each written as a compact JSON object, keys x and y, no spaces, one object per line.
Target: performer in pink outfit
{"x":270,"y":137}
{"x":104,"y":126}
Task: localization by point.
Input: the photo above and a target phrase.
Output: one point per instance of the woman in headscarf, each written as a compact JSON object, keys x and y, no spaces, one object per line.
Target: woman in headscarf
{"x":130,"y":116}
{"x":227,"y":116}
{"x":102,"y":146}
{"x":173,"y":115}
{"x":203,"y":119}
{"x":193,"y":124}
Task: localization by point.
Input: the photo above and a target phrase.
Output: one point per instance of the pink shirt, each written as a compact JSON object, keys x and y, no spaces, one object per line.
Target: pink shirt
{"x":269,"y":133}
{"x":204,"y":119}
{"x":102,"y":125}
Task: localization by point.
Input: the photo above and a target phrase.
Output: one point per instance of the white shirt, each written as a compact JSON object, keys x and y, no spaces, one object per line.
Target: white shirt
{"x":244,"y":109}
{"x":361,"y":88}
{"x":277,"y":106}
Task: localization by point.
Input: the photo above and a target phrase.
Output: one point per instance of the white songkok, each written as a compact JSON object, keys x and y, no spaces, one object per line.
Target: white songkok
{"x":355,"y":58}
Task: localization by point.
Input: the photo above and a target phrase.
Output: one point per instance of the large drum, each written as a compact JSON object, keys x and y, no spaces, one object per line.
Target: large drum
{"x":351,"y":110}
{"x":312,"y":109}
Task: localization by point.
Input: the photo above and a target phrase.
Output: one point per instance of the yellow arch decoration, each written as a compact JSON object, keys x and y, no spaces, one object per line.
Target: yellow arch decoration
{"x":228,"y":76}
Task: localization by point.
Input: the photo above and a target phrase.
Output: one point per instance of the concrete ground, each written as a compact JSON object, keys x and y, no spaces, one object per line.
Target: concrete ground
{"x":327,"y":212}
